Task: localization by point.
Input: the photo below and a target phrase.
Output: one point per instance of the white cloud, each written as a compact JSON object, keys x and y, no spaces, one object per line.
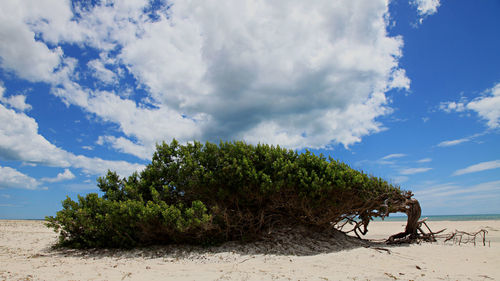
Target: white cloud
{"x":424,"y":160}
{"x":452,"y":106}
{"x":394,"y":155}
{"x":454,"y":190}
{"x":98,"y":166}
{"x":294,"y":73}
{"x":66,"y":175}
{"x":400,"y":80}
{"x":483,"y":166}
{"x":17,"y":102}
{"x":411,"y":171}
{"x":400,"y":179}
{"x":147,"y":125}
{"x":486,"y":106}
{"x":425,"y":8}
{"x":20,"y":141}
{"x":459,"y":141}
{"x":12,"y":178}
{"x":273,"y":73}
{"x":101,"y":72}
{"x":10,"y":205}
{"x":453,"y":142}
{"x":81,"y":187}
{"x":20,"y":52}
{"x":127,"y":146}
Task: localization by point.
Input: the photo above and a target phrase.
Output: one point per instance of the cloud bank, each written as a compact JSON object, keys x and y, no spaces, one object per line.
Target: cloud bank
{"x":20,"y":141}
{"x":283,"y":72}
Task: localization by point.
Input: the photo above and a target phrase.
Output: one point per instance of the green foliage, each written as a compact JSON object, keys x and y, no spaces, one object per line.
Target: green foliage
{"x":199,"y":193}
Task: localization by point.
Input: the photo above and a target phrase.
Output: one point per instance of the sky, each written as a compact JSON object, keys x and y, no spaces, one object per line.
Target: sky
{"x":404,"y":90}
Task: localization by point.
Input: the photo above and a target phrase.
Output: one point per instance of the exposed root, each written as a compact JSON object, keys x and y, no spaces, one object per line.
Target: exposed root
{"x":414,"y":231}
{"x":421,"y":235}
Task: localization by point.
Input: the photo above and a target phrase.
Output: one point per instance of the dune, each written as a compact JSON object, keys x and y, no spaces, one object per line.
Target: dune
{"x":26,"y":253}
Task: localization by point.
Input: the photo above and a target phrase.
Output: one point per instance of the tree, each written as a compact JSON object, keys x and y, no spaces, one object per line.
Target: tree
{"x":208,"y":193}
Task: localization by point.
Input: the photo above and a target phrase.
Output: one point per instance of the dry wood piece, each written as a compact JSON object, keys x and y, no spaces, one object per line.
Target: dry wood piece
{"x":380,"y":249}
{"x":465,"y":237}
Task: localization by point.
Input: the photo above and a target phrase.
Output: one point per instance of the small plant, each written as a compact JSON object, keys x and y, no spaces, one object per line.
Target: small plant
{"x":207,"y":193}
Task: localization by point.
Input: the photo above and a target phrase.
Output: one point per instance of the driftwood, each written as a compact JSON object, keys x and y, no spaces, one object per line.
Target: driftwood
{"x":465,"y":237}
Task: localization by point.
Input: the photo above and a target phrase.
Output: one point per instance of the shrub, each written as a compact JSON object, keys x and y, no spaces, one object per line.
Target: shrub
{"x":197,"y":193}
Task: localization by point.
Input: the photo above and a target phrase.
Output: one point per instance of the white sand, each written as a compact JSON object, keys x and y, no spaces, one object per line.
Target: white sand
{"x":25,"y":254}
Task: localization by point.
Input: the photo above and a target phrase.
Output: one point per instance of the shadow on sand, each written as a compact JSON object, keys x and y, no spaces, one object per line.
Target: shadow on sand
{"x":284,"y":242}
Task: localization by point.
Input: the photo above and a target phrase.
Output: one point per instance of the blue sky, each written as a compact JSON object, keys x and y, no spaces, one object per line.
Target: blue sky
{"x":405,"y":90}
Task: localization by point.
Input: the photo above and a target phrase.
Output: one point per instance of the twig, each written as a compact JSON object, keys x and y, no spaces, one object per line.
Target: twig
{"x":381,"y":249}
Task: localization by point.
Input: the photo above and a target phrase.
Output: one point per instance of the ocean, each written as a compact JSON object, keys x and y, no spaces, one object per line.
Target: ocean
{"x":446,"y":217}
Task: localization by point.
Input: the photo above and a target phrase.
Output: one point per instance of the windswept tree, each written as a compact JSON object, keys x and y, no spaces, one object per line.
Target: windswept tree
{"x":207,"y":193}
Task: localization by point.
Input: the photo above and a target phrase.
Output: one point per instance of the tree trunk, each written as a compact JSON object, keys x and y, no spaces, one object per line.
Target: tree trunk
{"x":413,"y":211}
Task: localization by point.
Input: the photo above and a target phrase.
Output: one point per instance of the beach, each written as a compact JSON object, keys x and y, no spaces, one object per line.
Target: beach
{"x":26,"y":253}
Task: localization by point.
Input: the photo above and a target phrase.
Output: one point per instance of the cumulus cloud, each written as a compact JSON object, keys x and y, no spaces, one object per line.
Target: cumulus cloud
{"x":483,"y":166}
{"x":452,"y":106}
{"x":20,"y":141}
{"x":12,"y":178}
{"x":127,"y":146}
{"x":148,"y":125}
{"x":20,"y":52}
{"x":487,"y":106}
{"x":425,"y":7}
{"x":66,"y":175}
{"x":16,"y":101}
{"x":291,"y":73}
{"x":100,"y":71}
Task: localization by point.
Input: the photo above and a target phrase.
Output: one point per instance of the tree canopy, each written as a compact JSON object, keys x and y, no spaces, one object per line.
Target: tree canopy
{"x":208,"y":193}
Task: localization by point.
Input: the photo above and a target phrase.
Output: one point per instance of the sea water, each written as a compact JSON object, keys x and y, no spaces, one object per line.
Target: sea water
{"x":445,"y":217}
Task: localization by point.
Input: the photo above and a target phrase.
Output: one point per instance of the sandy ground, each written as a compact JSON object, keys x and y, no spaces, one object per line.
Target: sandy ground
{"x":26,"y":254}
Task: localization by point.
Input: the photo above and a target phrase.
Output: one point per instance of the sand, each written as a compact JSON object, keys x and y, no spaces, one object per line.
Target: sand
{"x":26,"y":254}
